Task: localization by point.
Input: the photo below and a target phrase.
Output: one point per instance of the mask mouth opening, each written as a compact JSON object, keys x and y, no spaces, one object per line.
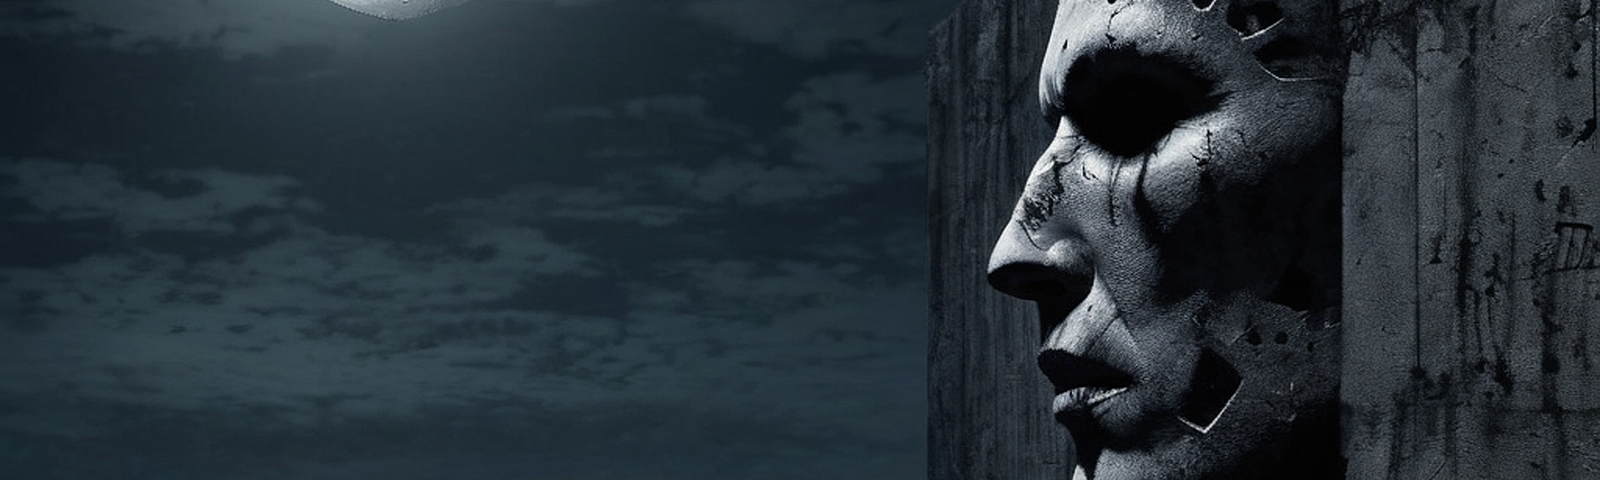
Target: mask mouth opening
{"x":1212,"y":389}
{"x":1067,"y":371}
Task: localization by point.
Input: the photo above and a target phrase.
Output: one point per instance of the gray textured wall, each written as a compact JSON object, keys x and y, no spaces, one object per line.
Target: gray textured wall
{"x":1471,"y":277}
{"x":1470,"y":280}
{"x":989,"y":404}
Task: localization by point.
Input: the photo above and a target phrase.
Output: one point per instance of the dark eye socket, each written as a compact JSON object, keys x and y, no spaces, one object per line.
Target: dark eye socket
{"x":1126,"y":102}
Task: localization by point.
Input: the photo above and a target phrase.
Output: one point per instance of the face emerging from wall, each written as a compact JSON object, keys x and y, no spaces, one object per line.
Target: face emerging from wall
{"x":1180,"y":237}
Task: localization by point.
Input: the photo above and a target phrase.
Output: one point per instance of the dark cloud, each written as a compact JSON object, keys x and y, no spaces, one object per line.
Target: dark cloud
{"x":316,"y":326}
{"x":487,"y":441}
{"x":234,"y":28}
{"x":818,"y":28}
{"x":541,"y":202}
{"x":848,"y":129}
{"x":280,"y":240}
{"x":208,"y":200}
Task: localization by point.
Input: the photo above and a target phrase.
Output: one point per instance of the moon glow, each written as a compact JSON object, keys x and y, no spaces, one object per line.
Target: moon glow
{"x":398,"y":9}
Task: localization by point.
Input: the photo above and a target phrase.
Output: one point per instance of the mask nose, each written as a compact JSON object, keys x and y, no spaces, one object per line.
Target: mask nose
{"x":1035,"y":265}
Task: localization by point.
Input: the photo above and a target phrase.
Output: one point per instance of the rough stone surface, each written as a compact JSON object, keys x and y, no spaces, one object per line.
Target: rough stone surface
{"x":988,"y":403}
{"x":1470,"y":274}
{"x":1471,"y":270}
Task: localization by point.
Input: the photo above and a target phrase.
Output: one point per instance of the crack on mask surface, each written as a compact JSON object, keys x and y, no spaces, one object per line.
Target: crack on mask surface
{"x":1252,"y":19}
{"x":1111,"y":194}
{"x":1040,"y":207}
{"x":1214,"y":384}
{"x":1141,"y":202}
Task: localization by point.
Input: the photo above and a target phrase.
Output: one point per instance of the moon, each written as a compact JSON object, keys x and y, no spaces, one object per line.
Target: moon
{"x":398,"y":9}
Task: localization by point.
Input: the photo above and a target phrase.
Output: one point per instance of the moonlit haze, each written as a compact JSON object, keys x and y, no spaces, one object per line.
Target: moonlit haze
{"x":510,"y":239}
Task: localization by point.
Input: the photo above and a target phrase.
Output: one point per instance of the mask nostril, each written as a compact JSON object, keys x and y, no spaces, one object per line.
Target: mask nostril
{"x":1026,"y":281}
{"x":1126,"y":102}
{"x":1040,"y":283}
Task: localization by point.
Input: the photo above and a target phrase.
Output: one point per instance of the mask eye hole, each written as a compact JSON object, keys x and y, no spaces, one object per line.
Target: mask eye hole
{"x":1126,"y":103}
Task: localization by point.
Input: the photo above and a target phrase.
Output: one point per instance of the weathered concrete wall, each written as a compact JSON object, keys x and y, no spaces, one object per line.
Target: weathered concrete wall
{"x":1472,"y":269}
{"x":1471,"y":326}
{"x":988,"y":403}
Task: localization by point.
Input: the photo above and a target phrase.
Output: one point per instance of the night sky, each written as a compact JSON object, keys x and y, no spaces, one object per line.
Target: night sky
{"x":516,"y":239}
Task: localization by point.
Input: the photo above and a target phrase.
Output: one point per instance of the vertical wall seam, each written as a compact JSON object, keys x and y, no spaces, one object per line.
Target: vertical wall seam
{"x":1416,"y":189}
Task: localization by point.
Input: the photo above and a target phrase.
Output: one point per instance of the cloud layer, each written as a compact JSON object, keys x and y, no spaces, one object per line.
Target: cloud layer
{"x":690,"y":237}
{"x":317,"y":326}
{"x":819,"y":28}
{"x":234,"y":28}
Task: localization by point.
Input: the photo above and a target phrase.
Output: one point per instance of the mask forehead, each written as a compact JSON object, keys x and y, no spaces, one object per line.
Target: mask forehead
{"x":1289,"y":39}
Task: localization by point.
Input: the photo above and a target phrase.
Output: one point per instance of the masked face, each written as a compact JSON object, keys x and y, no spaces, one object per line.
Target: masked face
{"x":1181,"y":237}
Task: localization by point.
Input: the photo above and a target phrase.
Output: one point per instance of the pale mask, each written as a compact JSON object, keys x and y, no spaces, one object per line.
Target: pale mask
{"x":1181,"y":237}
